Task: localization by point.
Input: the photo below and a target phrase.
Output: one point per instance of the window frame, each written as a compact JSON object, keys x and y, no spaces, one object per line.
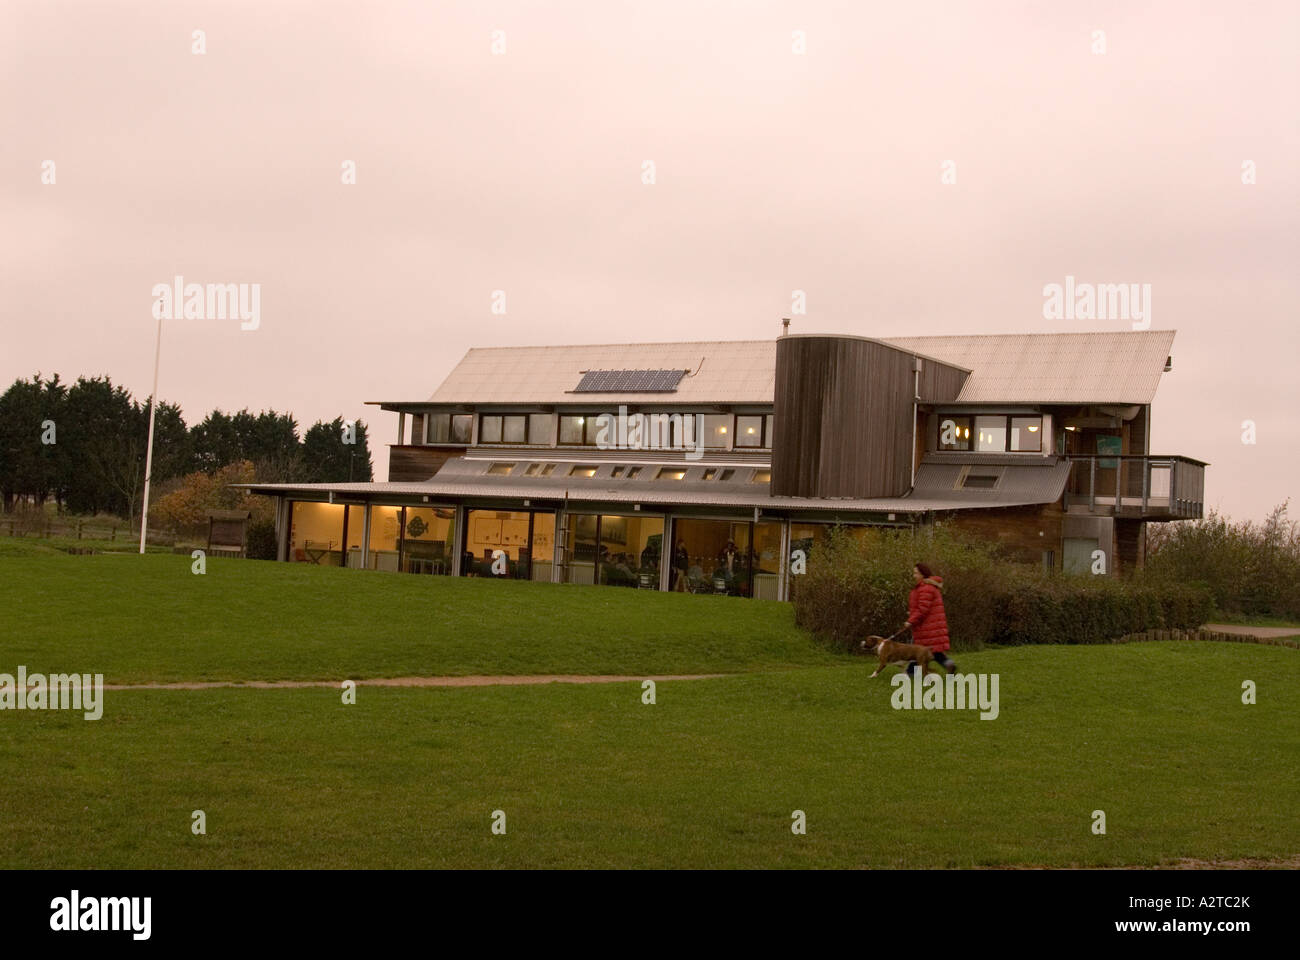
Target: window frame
{"x":762,"y":426}
{"x":973,"y":419}
{"x":956,"y":419}
{"x":582,"y":430}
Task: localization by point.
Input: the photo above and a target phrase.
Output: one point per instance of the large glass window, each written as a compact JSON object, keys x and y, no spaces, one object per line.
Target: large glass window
{"x":385,"y":537}
{"x":684,"y":432}
{"x":712,"y":556}
{"x":449,"y":428}
{"x":1027,"y":434}
{"x":489,"y":428}
{"x":715,"y":430}
{"x":601,"y":430}
{"x":426,"y":541}
{"x":503,"y":428}
{"x":439,"y":428}
{"x":539,"y":428}
{"x":354,"y":529}
{"x":514,"y":428}
{"x":954,"y":433}
{"x":462,"y":428}
{"x":571,"y":428}
{"x":614,"y":550}
{"x":749,"y":431}
{"x":316,"y":533}
{"x":517,"y":545}
{"x":991,"y":434}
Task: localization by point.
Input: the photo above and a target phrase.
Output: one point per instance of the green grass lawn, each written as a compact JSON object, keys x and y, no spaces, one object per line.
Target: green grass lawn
{"x":589,"y":776}
{"x":137,"y":619}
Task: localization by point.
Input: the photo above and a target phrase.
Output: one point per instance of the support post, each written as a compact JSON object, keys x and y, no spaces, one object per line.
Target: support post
{"x":148,"y":457}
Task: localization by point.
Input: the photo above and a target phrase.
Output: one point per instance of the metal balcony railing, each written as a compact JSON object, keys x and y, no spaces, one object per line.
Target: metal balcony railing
{"x":1135,"y":485}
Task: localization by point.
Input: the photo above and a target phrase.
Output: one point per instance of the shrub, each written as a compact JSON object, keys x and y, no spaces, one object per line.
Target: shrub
{"x":1249,"y":568}
{"x":185,"y":509}
{"x":858,"y":582}
{"x":261,"y":540}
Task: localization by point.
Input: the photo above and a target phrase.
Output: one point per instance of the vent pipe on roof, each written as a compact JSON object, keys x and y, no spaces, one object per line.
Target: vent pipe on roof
{"x":785,"y":326}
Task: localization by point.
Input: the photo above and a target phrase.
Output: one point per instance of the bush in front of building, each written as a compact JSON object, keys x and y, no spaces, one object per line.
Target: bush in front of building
{"x":1253,"y":569}
{"x":261,"y":540}
{"x":858,"y":582}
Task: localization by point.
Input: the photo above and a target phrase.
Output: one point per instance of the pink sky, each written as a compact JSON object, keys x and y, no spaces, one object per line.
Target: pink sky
{"x":775,"y":172}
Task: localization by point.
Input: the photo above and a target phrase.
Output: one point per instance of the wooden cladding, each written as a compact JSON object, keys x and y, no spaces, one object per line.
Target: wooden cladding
{"x":417,"y":464}
{"x":845,"y":409}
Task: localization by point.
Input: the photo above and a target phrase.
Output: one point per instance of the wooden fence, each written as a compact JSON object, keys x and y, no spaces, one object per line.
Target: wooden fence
{"x":1203,"y":634}
{"x":49,"y":527}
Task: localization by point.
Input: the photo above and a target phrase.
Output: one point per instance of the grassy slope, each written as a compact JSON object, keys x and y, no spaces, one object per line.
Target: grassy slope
{"x":138,"y":619}
{"x":1154,"y":734}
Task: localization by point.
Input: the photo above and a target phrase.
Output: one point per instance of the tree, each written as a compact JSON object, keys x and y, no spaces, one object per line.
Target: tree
{"x":269,"y":440}
{"x":185,"y":509}
{"x":326,"y":458}
{"x":31,"y":457}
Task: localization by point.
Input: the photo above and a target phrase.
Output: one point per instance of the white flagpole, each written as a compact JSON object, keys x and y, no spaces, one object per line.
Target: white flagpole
{"x":148,"y":457}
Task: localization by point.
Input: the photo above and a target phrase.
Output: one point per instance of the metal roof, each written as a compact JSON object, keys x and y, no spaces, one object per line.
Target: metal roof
{"x":1113,"y":367}
{"x":742,"y":371}
{"x":1101,"y":367}
{"x":1025,"y":484}
{"x":1028,"y":480}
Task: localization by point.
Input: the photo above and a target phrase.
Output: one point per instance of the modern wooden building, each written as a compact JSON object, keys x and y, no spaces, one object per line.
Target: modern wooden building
{"x":705,"y":466}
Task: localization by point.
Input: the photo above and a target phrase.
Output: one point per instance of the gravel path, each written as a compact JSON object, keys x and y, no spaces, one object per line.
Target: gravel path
{"x":1268,"y":633}
{"x":478,"y":681}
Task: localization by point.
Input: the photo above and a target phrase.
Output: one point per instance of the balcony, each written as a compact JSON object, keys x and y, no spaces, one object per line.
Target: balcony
{"x":1137,"y":486}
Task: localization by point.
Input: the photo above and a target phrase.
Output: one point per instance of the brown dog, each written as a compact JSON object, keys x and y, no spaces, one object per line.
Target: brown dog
{"x":891,"y":651}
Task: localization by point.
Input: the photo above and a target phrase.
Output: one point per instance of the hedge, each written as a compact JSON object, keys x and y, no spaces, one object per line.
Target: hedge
{"x":858,"y":581}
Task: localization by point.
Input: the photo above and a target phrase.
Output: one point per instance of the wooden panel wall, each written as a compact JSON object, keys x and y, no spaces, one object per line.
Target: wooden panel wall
{"x":940,"y":383}
{"x":409,"y":464}
{"x":1016,"y":530}
{"x":845,"y":409}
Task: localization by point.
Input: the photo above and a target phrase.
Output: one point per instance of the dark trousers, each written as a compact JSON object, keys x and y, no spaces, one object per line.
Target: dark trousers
{"x":940,"y":658}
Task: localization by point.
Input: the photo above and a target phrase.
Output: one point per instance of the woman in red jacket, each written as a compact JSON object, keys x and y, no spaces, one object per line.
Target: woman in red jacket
{"x":926,"y":617}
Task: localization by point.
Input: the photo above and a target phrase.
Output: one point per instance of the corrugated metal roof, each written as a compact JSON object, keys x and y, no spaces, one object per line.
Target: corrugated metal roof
{"x":1109,"y":367}
{"x":739,"y":371}
{"x":1102,"y":367}
{"x":1025,"y":484}
{"x":1036,"y":480}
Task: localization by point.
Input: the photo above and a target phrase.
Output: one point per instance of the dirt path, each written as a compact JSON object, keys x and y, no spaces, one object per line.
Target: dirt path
{"x":477,"y":681}
{"x":1267,"y":633}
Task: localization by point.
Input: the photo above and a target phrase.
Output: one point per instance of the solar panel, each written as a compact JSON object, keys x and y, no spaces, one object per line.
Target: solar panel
{"x":629,"y":381}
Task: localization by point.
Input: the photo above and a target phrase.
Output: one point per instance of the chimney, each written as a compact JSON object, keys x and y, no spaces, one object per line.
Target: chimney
{"x":785,"y":326}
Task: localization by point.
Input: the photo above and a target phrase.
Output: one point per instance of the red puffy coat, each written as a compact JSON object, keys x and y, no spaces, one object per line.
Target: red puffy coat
{"x":925,"y":614}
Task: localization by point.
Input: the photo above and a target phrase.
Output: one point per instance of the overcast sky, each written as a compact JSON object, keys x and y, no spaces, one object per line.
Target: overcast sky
{"x":775,"y":171}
